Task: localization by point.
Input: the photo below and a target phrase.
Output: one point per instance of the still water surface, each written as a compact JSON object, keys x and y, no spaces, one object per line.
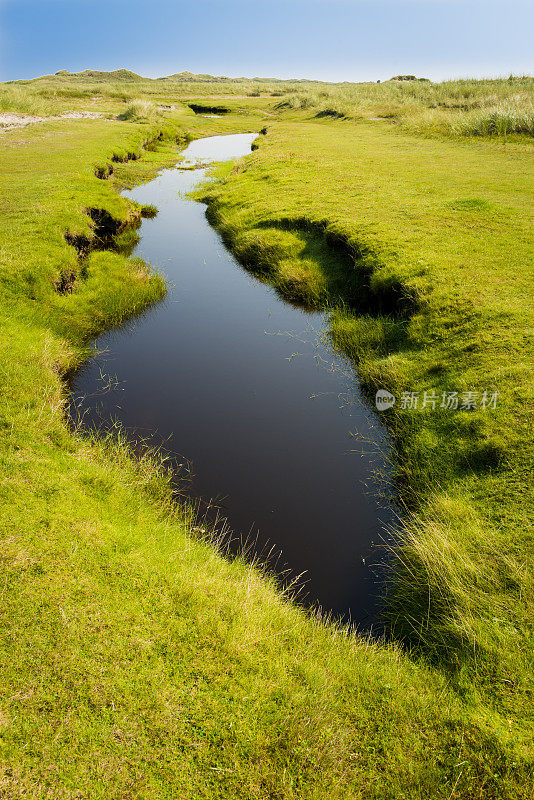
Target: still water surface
{"x":241,"y":387}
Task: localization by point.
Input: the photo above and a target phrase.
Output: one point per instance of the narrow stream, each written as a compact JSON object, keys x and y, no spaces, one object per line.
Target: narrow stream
{"x":245,"y":393}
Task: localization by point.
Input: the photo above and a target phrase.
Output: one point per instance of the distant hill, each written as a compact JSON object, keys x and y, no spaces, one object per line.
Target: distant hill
{"x":409,"y":78}
{"x":99,"y":75}
{"x":191,"y":77}
{"x":127,"y":76}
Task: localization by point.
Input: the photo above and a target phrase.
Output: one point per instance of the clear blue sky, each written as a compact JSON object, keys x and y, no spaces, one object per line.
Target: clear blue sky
{"x":325,"y":39}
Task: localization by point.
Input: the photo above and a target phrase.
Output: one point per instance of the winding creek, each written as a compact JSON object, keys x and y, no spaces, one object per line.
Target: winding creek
{"x":244,"y":392}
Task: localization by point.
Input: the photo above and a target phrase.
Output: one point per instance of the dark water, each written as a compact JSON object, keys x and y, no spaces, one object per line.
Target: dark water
{"x":240,"y":386}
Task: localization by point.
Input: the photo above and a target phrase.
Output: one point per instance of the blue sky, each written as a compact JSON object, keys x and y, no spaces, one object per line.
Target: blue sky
{"x":324,"y":39}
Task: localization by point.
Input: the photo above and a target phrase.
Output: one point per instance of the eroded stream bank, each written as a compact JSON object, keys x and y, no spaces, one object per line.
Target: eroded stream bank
{"x":249,"y":397}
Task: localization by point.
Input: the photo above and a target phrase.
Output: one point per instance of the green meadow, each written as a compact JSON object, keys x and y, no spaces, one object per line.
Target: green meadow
{"x":137,"y":661}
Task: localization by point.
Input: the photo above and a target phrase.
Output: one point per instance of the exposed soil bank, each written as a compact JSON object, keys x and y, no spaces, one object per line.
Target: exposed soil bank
{"x":10,"y":121}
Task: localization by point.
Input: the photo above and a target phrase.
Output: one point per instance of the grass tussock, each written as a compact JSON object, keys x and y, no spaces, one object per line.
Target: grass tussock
{"x":502,"y":120}
{"x":138,"y":111}
{"x":507,"y":118}
{"x":19,"y":101}
{"x":148,"y":211}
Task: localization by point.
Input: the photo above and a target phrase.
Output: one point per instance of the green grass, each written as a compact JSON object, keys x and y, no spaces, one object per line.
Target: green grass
{"x":139,"y":662}
{"x":499,"y":107}
{"x":19,"y":101}
{"x":139,"y":110}
{"x":452,"y":108}
{"x":435,"y":239}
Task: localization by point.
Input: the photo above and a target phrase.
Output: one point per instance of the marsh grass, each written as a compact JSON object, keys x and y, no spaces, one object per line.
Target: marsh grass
{"x":498,"y":107}
{"x":458,"y":108}
{"x":139,"y":111}
{"x":149,"y":211}
{"x":135,"y":659}
{"x":515,"y":116}
{"x":509,"y":117}
{"x":459,"y":594}
{"x":19,"y":101}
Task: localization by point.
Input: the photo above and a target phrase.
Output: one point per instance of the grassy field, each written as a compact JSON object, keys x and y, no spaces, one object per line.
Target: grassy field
{"x":136,"y":660}
{"x":460,"y":108}
{"x":457,"y":108}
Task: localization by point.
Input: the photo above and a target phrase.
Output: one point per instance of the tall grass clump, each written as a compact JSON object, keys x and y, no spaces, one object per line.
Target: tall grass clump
{"x":298,"y":101}
{"x":465,"y":107}
{"x":500,"y":120}
{"x":20,"y":101}
{"x":138,"y":111}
